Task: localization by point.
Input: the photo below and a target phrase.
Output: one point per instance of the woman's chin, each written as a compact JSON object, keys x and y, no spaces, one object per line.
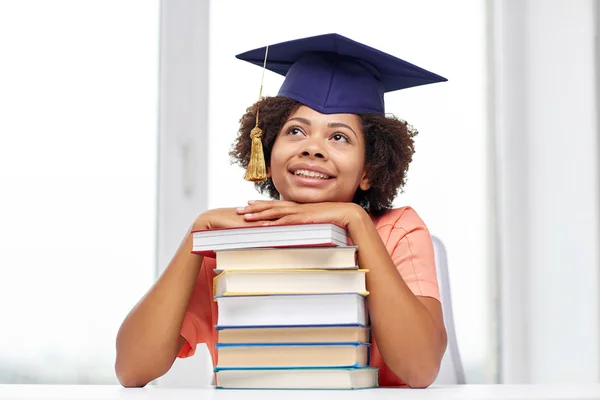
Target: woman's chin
{"x":309,"y":196}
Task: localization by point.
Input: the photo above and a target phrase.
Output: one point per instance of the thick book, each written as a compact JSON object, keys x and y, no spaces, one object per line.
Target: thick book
{"x":292,"y":310}
{"x":299,"y":378}
{"x":292,"y":355}
{"x":257,"y":282}
{"x":207,"y":242}
{"x":298,"y":334}
{"x":287,"y":258}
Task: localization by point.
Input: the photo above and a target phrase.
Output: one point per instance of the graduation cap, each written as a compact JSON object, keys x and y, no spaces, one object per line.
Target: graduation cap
{"x":332,"y":74}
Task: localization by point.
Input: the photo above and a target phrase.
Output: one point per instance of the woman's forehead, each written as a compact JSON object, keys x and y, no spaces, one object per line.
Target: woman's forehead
{"x":311,"y":115}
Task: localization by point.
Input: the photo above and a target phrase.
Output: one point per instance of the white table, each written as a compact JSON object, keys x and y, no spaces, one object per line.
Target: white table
{"x":526,"y":392}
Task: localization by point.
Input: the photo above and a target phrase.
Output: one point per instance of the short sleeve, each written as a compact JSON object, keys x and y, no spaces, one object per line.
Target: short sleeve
{"x":199,"y":320}
{"x":410,"y":246}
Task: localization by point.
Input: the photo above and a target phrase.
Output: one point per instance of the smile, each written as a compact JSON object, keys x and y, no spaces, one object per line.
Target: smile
{"x":311,"y":174}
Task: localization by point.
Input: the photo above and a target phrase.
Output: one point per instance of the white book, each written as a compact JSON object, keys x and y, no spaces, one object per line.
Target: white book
{"x":298,"y":378}
{"x":207,"y":242}
{"x":287,"y":258}
{"x":256,"y":282}
{"x":292,"y":310}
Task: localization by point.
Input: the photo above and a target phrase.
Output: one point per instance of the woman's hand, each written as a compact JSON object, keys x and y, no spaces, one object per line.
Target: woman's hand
{"x":279,"y":212}
{"x":221,"y":218}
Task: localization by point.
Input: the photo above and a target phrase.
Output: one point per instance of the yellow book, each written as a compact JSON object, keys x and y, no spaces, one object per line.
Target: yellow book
{"x":287,"y":258}
{"x":297,"y":334}
{"x":264,"y":282}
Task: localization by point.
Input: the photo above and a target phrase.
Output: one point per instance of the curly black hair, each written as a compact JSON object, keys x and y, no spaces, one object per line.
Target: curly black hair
{"x":389,"y":147}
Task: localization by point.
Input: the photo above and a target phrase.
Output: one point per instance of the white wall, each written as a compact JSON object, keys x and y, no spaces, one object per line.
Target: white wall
{"x":448,"y":178}
{"x":547,"y":134}
{"x":78,"y":162}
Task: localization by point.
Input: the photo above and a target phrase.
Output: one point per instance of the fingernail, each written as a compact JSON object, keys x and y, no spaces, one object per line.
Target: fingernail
{"x":241,"y":208}
{"x":251,"y":201}
{"x":248,"y":216}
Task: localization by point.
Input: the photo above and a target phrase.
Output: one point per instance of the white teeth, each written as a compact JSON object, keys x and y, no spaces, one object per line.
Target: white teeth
{"x":311,"y":174}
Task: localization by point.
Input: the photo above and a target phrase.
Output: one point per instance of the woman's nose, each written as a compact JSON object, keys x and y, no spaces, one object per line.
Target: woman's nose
{"x":313,"y":149}
{"x":307,"y":153}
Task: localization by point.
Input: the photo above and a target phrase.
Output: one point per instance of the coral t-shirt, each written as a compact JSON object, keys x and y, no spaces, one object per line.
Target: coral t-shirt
{"x":406,"y":239}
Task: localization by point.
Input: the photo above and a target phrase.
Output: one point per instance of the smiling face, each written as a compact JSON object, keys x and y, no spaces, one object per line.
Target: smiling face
{"x":319,"y":157}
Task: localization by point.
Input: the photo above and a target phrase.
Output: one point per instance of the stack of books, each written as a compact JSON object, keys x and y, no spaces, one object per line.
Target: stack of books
{"x":291,"y":308}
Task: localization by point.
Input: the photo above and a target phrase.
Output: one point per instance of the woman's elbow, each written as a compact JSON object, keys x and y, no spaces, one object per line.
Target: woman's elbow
{"x":129,"y":376}
{"x":135,"y":369}
{"x":131,"y":383}
{"x":425,"y":371}
{"x":421,"y":381}
{"x":421,"y":374}
{"x":422,"y":378}
{"x":130,"y":380}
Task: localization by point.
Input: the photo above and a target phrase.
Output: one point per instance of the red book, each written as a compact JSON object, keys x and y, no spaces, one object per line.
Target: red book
{"x":206,"y":242}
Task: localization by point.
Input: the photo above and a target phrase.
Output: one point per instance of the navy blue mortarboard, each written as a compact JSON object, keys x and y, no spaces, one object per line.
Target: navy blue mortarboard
{"x":333,"y":74}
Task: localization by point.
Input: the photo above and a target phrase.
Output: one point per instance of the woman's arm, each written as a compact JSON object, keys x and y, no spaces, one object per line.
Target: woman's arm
{"x":409,"y":330}
{"x":149,"y":338}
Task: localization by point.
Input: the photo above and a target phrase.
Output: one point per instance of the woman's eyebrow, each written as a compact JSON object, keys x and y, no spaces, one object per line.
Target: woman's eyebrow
{"x":341,"y":125}
{"x":300,"y":119}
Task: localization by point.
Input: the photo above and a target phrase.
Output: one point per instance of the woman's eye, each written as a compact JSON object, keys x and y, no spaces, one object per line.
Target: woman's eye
{"x":295,"y":131}
{"x":339,"y":138}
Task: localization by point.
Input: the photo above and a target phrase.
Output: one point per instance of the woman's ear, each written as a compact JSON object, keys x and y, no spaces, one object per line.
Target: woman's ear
{"x":364,"y":183}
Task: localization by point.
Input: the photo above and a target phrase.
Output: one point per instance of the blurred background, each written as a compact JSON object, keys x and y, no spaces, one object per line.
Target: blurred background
{"x":116,"y":118}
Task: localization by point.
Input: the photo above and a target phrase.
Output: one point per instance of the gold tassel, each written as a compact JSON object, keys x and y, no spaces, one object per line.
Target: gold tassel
{"x":256,"y":170}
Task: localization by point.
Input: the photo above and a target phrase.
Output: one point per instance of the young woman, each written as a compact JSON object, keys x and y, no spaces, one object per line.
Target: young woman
{"x":324,"y":151}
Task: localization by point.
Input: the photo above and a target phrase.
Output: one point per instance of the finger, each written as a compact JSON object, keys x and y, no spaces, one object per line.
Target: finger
{"x":269,"y":214}
{"x":254,"y":208}
{"x":288,"y":220}
{"x":259,"y":205}
{"x":250,"y":202}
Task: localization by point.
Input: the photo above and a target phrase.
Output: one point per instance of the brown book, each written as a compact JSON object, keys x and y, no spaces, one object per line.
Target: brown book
{"x":293,"y":355}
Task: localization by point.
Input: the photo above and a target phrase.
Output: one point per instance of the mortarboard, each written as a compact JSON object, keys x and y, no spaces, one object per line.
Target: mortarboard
{"x":332,"y":74}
